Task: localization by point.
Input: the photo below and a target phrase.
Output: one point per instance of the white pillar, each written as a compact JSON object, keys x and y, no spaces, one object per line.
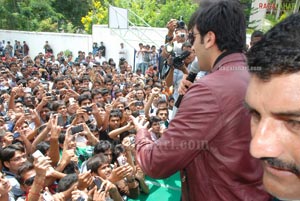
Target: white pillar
{"x":258,"y":13}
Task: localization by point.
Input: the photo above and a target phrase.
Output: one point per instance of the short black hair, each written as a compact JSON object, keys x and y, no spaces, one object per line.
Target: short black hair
{"x":278,"y":51}
{"x":225,"y":18}
{"x":257,"y":34}
{"x":7,"y":153}
{"x":83,"y":97}
{"x":102,"y":146}
{"x":96,"y":161}
{"x":27,"y":166}
{"x":66,"y":182}
{"x":153,"y":119}
{"x":43,"y":147}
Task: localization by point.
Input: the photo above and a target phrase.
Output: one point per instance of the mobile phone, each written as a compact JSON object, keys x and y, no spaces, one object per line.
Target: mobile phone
{"x":162,"y":124}
{"x":47,"y":196}
{"x":98,"y":182}
{"x":16,"y":135}
{"x":37,"y":154}
{"x":80,"y":199}
{"x":26,"y":111}
{"x":27,"y":90}
{"x":142,"y":112}
{"x":76,"y":129}
{"x":71,"y":101}
{"x":6,"y":118}
{"x":60,"y":120}
{"x":132,"y":139}
{"x":121,"y":160}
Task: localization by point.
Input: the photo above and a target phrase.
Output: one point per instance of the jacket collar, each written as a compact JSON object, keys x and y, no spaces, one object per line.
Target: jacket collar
{"x":230,"y":58}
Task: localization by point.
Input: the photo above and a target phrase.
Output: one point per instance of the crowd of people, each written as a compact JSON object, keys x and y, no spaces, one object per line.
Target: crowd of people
{"x":42,"y":105}
{"x":66,"y":131}
{"x":75,"y":128}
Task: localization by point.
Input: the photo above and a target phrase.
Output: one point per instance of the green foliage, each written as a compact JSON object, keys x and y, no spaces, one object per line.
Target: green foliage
{"x":99,"y":15}
{"x":155,"y":13}
{"x":68,"y":53}
{"x":30,"y":15}
{"x":72,"y":10}
{"x":173,"y":10}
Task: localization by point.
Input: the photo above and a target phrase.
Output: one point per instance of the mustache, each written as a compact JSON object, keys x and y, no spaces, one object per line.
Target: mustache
{"x":279,"y":164}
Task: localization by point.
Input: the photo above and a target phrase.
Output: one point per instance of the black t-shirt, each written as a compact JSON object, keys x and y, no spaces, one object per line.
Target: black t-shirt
{"x":103,"y":135}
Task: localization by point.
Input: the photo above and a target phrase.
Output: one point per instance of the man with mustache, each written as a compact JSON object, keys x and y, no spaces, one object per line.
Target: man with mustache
{"x":274,"y":103}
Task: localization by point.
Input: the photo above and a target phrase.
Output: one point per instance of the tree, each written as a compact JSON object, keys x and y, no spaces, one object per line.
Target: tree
{"x":73,"y":10}
{"x":155,"y":13}
{"x":99,"y":15}
{"x":29,"y":15}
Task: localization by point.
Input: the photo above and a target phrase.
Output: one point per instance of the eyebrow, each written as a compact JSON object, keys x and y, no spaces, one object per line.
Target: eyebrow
{"x":288,"y":113}
{"x":247,"y":106}
{"x":295,"y":113}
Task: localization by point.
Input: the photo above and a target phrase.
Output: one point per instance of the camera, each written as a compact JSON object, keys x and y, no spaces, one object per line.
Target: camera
{"x":178,"y":61}
{"x":53,"y":97}
{"x":180,"y":23}
{"x":182,"y":35}
{"x":76,"y":129}
{"x":88,"y":109}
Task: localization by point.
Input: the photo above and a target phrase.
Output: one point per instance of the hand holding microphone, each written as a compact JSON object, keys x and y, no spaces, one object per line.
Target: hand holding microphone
{"x":186,"y":82}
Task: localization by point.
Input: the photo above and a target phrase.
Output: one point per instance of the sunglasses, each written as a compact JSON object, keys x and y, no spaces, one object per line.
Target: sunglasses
{"x":191,"y":37}
{"x":29,"y":182}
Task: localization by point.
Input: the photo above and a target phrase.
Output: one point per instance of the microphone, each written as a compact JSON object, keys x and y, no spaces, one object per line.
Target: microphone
{"x":191,"y":77}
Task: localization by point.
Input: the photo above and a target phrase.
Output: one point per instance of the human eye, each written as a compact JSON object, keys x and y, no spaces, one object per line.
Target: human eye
{"x":293,"y":125}
{"x":255,"y":116}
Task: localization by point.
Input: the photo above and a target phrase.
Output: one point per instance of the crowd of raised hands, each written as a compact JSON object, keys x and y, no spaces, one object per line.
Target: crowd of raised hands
{"x":72,"y":136}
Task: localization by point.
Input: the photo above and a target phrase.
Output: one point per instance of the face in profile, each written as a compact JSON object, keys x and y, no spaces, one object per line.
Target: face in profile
{"x":275,"y":127}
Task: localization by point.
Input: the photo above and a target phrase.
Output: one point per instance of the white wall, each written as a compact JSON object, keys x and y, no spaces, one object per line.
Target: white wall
{"x":75,"y":42}
{"x":131,"y":38}
{"x":58,"y":41}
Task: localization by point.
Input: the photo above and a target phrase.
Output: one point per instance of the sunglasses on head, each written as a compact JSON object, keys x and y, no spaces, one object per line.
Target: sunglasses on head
{"x":29,"y":182}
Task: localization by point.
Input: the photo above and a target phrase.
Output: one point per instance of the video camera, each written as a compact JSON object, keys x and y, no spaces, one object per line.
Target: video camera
{"x":180,"y":24}
{"x":177,"y":61}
